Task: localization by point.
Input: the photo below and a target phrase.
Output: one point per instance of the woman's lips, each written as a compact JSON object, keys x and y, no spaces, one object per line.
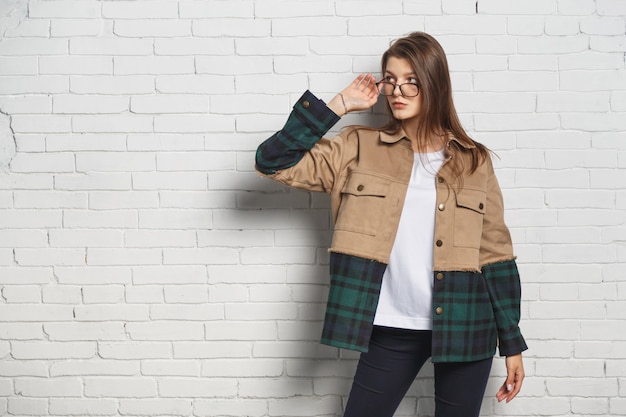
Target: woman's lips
{"x":398,"y":105}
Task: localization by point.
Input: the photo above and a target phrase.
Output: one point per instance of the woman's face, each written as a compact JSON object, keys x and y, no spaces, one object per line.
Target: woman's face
{"x":399,"y":71}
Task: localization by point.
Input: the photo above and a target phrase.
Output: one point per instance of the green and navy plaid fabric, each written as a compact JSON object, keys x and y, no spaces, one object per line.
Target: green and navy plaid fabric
{"x":505,"y":290}
{"x":464,"y":328}
{"x":307,"y":123}
{"x":354,"y":290}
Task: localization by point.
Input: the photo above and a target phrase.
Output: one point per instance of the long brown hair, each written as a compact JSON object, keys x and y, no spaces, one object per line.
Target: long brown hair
{"x":437,"y":115}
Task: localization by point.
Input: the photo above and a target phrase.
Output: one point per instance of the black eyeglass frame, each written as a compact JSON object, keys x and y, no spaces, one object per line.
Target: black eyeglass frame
{"x":380,"y":84}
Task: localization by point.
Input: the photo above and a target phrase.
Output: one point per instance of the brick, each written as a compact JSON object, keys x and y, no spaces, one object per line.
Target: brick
{"x":170,"y":181}
{"x":228,"y":27}
{"x":169,"y":275}
{"x":89,"y":104}
{"x":170,"y":103}
{"x":282,"y":8}
{"x":153,"y":65}
{"x":162,"y":28}
{"x":193,"y":46}
{"x":112,"y":200}
{"x":111,"y":312}
{"x":33,"y":46}
{"x":515,"y":81}
{"x":229,"y":65}
{"x":62,"y":294}
{"x":18,"y":65}
{"x":573,"y":102}
{"x":165,"y":142}
{"x":23,"y":238}
{"x":611,"y":8}
{"x":28,"y":406}
{"x":159,"y":238}
{"x":540,"y":7}
{"x":53,"y":350}
{"x":241,"y":406}
{"x":133,"y":350}
{"x":203,"y":256}
{"x":204,"y":349}
{"x":466,"y":25}
{"x":114,"y":256}
{"x":49,"y":257}
{"x":195,"y":84}
{"x":212,"y":9}
{"x":112,"y":123}
{"x":49,"y":199}
{"x":22,"y":294}
{"x":61,"y":28}
{"x":82,"y":406}
{"x":103,"y":294}
{"x":525,"y":25}
{"x":157,"y":407}
{"x":197,"y":387}
{"x":75,"y":65}
{"x":121,"y":84}
{"x":110,"y":46}
{"x":93,"y":181}
{"x":112,"y":162}
{"x":86,"y":142}
{"x":93,"y":275}
{"x":38,"y":28}
{"x":120,"y":387}
{"x":85,"y":331}
{"x":187,"y":294}
{"x":608,"y":43}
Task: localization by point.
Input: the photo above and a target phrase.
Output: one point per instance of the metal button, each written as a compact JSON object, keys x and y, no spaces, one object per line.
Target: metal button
{"x":439,"y":243}
{"x":481,"y":206}
{"x":439,"y":310}
{"x":439,"y":276}
{"x":306,"y":104}
{"x":360,"y":187}
{"x":441,"y":207}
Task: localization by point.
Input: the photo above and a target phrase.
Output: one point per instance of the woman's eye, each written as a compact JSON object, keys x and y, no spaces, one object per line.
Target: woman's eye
{"x":412,"y":80}
{"x":389,"y":79}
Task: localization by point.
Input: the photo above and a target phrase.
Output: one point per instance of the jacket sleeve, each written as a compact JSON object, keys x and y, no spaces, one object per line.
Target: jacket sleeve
{"x":500,"y":270}
{"x":307,"y":123}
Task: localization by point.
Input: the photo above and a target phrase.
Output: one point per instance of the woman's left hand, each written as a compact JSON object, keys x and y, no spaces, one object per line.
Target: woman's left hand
{"x":515,"y":376}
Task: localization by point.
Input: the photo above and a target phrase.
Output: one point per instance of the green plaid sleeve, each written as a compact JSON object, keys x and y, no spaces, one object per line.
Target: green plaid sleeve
{"x":307,"y":123}
{"x":504,"y":288}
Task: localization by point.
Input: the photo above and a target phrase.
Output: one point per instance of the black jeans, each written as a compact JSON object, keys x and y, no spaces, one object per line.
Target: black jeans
{"x":387,"y":370}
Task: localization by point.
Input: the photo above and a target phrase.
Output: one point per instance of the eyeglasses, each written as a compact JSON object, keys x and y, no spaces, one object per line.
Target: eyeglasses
{"x":385,"y":88}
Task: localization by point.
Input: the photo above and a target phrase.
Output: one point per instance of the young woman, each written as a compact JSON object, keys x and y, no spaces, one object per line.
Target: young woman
{"x":421,"y":261}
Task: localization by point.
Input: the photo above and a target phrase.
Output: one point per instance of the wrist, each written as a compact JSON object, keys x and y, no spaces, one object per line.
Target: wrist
{"x":338,"y":106}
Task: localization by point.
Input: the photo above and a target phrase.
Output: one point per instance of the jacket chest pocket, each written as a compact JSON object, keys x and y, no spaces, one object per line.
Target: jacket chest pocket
{"x":362,"y":203}
{"x":468,"y":217}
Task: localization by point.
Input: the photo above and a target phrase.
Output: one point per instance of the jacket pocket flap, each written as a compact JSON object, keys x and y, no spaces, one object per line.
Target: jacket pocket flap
{"x":366,"y":185}
{"x":472,"y":199}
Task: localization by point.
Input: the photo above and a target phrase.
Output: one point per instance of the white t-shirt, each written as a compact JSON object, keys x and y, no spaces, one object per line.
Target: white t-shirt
{"x":406,"y":293}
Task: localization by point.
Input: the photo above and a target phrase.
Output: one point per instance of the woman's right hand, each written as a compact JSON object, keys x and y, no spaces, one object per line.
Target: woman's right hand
{"x":361,"y":94}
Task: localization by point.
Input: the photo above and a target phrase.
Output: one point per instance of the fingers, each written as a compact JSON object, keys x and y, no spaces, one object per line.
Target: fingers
{"x":365,"y":83}
{"x":515,"y":377}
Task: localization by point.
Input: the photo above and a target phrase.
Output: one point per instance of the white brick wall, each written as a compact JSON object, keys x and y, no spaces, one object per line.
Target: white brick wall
{"x":146,"y":270}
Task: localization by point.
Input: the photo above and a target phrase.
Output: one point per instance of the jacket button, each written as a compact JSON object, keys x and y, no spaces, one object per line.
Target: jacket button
{"x":439,"y":243}
{"x":306,"y":104}
{"x":439,"y":310}
{"x":481,"y":206}
{"x":439,"y":276}
{"x":439,"y":180}
{"x":441,"y":207}
{"x":360,"y":187}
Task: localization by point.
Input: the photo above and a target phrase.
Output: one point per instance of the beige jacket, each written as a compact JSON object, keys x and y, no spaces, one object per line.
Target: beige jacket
{"x":367,"y":173}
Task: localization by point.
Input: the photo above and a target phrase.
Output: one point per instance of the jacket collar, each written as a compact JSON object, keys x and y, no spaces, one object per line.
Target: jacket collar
{"x":393,"y":138}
